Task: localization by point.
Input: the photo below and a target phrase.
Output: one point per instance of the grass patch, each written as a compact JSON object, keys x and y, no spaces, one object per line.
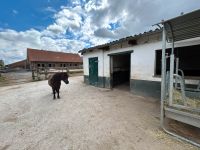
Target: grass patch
{"x":2,"y":79}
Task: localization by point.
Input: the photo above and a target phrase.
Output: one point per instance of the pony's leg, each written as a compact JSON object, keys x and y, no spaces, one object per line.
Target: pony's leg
{"x":54,"y":94}
{"x":57,"y":90}
{"x":52,"y":90}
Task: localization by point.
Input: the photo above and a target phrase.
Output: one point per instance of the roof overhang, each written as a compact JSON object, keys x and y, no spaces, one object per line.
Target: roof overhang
{"x":183,"y":27}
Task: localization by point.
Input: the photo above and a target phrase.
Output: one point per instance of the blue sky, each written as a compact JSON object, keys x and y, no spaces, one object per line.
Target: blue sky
{"x":26,"y":14}
{"x":65,"y":25}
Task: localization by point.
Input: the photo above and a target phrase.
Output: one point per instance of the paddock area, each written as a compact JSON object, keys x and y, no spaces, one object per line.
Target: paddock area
{"x":85,"y":118}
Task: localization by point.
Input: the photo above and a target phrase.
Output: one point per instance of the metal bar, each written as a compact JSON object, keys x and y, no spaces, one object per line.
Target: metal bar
{"x":182,"y":116}
{"x":198,"y":87}
{"x":163,"y":79}
{"x":181,"y":138}
{"x":172,"y":34}
{"x":167,"y":84}
{"x":171,"y":78}
{"x":187,"y":108}
{"x":183,"y":77}
{"x":177,"y":66}
{"x":178,"y":77}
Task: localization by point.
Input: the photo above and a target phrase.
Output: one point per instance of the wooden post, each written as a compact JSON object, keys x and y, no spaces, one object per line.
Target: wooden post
{"x":33,"y":76}
{"x":45,"y":73}
{"x":38,"y":74}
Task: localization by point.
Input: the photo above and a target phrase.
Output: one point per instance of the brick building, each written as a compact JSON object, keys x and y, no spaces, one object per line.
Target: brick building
{"x":51,"y":59}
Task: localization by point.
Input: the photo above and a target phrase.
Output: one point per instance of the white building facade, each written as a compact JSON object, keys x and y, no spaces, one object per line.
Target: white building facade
{"x":134,"y":58}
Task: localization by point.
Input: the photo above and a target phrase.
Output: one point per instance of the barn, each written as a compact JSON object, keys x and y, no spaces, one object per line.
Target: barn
{"x":18,"y":65}
{"x":51,"y":59}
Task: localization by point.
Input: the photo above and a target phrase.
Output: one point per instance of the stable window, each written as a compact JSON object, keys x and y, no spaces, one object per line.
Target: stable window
{"x":38,"y":65}
{"x":49,"y":65}
{"x":188,"y":60}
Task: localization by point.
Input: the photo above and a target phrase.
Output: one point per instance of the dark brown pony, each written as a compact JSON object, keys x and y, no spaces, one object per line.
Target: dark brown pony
{"x":55,"y":81}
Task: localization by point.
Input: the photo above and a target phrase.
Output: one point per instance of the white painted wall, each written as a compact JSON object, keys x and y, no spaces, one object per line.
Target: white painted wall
{"x":142,"y":59}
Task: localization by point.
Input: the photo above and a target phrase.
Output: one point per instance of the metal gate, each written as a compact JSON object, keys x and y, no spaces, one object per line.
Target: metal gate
{"x":93,"y":71}
{"x":174,"y":103}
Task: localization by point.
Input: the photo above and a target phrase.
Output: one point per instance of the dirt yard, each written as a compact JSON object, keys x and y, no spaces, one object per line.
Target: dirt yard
{"x":85,"y":118}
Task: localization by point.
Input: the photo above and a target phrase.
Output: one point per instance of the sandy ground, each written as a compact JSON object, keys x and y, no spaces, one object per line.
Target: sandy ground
{"x":85,"y":118}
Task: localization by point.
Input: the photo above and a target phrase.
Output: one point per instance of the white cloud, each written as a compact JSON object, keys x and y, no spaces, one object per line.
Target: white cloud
{"x":87,"y":23}
{"x":15,"y":12}
{"x":76,"y":2}
{"x":55,"y":28}
{"x":68,"y":18}
{"x":103,"y":32}
{"x":50,"y":9}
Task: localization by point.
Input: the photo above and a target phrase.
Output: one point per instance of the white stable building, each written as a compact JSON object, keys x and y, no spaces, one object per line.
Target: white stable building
{"x":135,"y":62}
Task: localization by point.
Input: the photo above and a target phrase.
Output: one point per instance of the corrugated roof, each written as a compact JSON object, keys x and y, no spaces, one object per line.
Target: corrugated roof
{"x":134,"y":37}
{"x":183,"y":27}
{"x":35,"y":55}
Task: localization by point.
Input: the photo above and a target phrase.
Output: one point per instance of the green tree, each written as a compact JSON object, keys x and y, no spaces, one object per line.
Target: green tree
{"x":1,"y":64}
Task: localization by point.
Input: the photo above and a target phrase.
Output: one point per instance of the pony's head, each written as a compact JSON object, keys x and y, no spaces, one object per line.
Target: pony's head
{"x":64,"y":77}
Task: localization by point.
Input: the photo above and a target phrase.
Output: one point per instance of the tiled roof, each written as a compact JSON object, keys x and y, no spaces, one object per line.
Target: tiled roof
{"x":34,"y":55}
{"x":21,"y":63}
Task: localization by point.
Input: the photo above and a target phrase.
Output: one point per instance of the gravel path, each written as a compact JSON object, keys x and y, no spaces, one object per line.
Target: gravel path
{"x":85,"y":118}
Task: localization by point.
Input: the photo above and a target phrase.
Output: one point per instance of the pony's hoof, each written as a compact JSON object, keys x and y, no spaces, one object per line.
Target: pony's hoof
{"x":58,"y":97}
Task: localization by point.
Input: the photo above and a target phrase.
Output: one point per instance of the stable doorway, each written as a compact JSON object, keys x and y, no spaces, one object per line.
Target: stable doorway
{"x":93,"y":71}
{"x":120,"y":70}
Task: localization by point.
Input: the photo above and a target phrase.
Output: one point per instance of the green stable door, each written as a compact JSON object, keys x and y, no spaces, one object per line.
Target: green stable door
{"x":93,"y":71}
